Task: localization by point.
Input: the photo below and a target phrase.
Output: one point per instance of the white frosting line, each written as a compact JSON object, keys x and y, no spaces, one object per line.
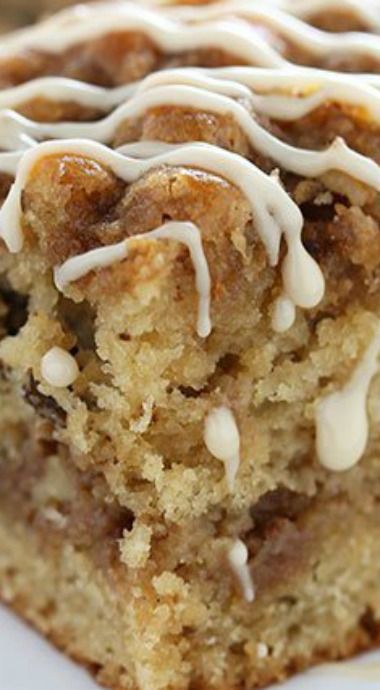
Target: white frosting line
{"x":315,"y":41}
{"x":65,"y":90}
{"x":338,"y":156}
{"x":15,"y":132}
{"x":307,"y":89}
{"x":59,"y":368}
{"x":147,"y":149}
{"x":291,"y":78}
{"x":73,"y":26}
{"x":9,"y":163}
{"x":284,"y":314}
{"x":273,"y":211}
{"x":238,"y":559}
{"x":170,"y":36}
{"x":187,"y":233}
{"x":368,"y":13}
{"x":222,"y":439}
{"x":341,"y":417}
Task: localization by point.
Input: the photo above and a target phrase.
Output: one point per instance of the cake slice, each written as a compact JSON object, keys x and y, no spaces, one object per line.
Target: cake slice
{"x":190,"y":342}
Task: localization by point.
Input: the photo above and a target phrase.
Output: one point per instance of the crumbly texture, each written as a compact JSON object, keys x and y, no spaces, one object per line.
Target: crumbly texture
{"x":115,"y":520}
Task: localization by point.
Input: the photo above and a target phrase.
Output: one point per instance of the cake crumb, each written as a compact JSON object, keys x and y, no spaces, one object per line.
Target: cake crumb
{"x":135,"y":546}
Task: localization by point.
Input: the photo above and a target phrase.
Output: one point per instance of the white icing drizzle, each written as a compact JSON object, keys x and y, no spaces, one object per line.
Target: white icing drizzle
{"x":187,"y":233}
{"x":307,"y":37}
{"x":306,"y":89}
{"x":65,"y":90}
{"x":273,"y":211}
{"x":173,"y":34}
{"x":338,"y":156}
{"x":222,"y":439}
{"x":368,"y":13}
{"x":284,"y":314}
{"x":341,"y":417}
{"x":13,"y":134}
{"x":170,"y":36}
{"x":147,"y":149}
{"x":9,"y":162}
{"x":59,"y":368}
{"x":301,"y":91}
{"x":238,"y":559}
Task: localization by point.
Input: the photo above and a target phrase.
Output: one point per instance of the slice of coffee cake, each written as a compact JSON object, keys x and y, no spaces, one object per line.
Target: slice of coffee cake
{"x":190,"y":339}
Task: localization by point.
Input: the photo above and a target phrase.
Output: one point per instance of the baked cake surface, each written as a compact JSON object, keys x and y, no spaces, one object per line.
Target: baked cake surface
{"x":190,"y":337}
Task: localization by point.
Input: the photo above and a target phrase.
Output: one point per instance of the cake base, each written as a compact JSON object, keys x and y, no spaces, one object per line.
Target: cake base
{"x":332,"y":613}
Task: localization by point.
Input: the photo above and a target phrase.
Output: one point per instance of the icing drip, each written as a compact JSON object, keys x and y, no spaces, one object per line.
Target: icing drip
{"x":284,"y":314}
{"x":338,"y":156}
{"x":273,"y":211}
{"x":187,"y":233}
{"x":238,"y":559}
{"x":59,"y":368}
{"x":341,"y":417}
{"x":222,"y":439}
